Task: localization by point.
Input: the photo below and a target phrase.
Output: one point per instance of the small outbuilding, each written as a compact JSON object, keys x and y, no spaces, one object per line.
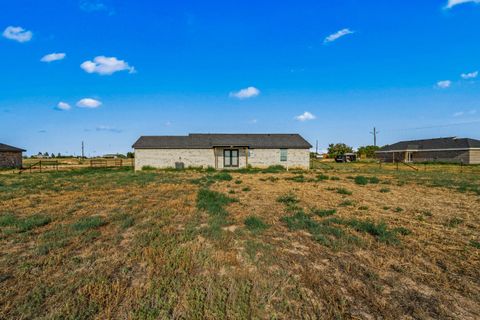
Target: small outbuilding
{"x":222,"y":151}
{"x":453,"y":149}
{"x":10,"y":157}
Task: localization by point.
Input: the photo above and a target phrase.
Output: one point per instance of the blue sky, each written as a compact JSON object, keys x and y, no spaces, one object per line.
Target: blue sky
{"x":329,"y":70}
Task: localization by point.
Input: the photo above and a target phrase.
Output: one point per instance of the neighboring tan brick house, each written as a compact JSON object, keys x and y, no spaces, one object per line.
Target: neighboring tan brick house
{"x":10,"y":157}
{"x":455,"y":150}
{"x":222,"y":151}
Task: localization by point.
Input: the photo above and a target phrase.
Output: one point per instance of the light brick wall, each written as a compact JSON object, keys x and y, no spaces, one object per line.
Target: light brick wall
{"x":474,"y":157}
{"x":166,"y":158}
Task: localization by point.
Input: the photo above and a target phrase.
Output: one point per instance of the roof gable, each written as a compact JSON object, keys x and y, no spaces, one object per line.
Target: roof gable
{"x":433,"y":144}
{"x":7,"y":148}
{"x":208,"y":140}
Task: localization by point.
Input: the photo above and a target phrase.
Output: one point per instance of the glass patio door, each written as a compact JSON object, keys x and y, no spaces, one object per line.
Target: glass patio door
{"x":230,"y":158}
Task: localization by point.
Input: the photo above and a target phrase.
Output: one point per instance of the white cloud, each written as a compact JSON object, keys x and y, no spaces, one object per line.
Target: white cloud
{"x":18,"y":34}
{"x":462,"y":113}
{"x":444,"y":84}
{"x":246,"y":93}
{"x":470,"y":75}
{"x":96,"y":5}
{"x":453,"y":3}
{"x":305,"y":116}
{"x":108,"y":128}
{"x":53,"y":57}
{"x":253,"y":121}
{"x":89,"y":103}
{"x":63,"y":106}
{"x":106,"y":65}
{"x":337,"y":35}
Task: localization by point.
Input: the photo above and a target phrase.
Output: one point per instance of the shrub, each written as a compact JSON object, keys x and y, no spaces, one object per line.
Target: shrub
{"x":255,"y":224}
{"x":384,"y":190}
{"x":148,"y":168}
{"x":398,"y":209}
{"x":334,"y":178}
{"x":246,"y":189}
{"x":363,"y":208}
{"x":238,"y":181}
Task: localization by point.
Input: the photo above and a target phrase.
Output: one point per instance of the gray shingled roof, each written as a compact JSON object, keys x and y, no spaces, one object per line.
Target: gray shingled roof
{"x":207,"y":140}
{"x":432,"y":144}
{"x":6,"y":147}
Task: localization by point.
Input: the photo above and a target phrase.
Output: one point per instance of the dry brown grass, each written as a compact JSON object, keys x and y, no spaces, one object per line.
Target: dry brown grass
{"x":120,"y":244}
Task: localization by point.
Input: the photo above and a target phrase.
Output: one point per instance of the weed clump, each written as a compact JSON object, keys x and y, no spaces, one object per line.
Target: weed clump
{"x":324,"y":213}
{"x":344,"y":191}
{"x":255,"y":224}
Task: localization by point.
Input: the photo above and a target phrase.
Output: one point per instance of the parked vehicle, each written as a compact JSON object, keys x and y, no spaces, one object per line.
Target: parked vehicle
{"x":347,"y":157}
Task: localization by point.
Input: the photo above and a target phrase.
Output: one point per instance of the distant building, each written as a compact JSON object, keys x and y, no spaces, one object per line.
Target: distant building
{"x":455,"y":150}
{"x":10,"y":157}
{"x":222,"y":151}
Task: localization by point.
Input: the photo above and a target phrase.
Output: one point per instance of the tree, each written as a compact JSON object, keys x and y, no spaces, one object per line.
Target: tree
{"x":338,"y":149}
{"x":52,"y":155}
{"x":130,"y":155}
{"x":368,"y":151}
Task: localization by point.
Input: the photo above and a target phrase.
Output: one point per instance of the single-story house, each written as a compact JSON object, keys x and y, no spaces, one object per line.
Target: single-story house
{"x":222,"y":151}
{"x":10,"y":157}
{"x":457,"y":150}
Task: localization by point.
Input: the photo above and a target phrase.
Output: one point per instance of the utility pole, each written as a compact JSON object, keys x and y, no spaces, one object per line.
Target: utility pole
{"x":316,"y":148}
{"x":374,"y":132}
{"x":83,"y":151}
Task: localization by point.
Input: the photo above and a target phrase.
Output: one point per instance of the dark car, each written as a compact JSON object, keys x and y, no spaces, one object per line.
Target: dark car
{"x":347,"y":157}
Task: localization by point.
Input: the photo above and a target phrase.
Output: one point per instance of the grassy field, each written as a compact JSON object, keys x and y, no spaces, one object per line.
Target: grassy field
{"x":342,"y":241}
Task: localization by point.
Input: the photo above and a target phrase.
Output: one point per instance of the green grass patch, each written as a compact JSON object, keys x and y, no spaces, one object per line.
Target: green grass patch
{"x":246,"y":189}
{"x":346,"y":203}
{"x":379,"y":230}
{"x":16,"y":224}
{"x":475,"y":244}
{"x":454,"y":222}
{"x":88,"y":223}
{"x":213,"y":202}
{"x":344,"y":191}
{"x":321,"y":177}
{"x":222,"y":176}
{"x":361,"y":180}
{"x":255,"y":224}
{"x":148,"y":168}
{"x":324,"y":213}
{"x":288,"y":199}
{"x":324,"y":233}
